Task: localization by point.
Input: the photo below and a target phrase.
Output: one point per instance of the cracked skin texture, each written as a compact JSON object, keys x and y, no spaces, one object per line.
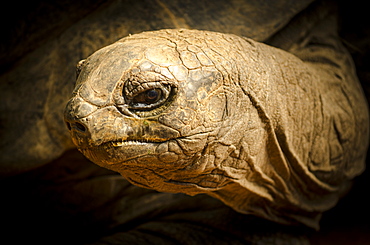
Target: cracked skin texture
{"x":264,"y":131}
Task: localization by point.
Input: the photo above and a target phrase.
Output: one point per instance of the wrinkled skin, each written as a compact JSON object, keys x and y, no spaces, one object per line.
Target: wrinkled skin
{"x":202,"y":112}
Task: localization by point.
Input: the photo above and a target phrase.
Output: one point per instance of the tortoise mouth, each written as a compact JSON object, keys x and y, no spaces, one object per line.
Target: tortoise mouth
{"x":134,"y":141}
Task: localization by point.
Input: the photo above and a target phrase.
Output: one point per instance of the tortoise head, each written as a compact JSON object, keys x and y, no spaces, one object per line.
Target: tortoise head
{"x":149,"y":108}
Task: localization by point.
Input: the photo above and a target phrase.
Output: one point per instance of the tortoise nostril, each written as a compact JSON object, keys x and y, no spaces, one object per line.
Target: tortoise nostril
{"x":80,"y":127}
{"x":68,"y":125}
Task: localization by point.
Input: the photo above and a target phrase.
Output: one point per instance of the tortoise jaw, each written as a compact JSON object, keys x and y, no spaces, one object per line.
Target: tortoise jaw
{"x":118,"y":152}
{"x":137,"y":141}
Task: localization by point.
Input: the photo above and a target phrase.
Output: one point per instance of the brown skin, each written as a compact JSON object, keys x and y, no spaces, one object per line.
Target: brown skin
{"x":204,"y":112}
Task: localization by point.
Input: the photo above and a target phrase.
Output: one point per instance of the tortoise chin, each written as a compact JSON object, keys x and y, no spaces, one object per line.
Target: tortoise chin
{"x":169,"y":166}
{"x":115,"y":154}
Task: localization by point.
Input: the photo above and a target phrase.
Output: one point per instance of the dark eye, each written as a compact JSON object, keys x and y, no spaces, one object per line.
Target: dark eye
{"x":147,"y":97}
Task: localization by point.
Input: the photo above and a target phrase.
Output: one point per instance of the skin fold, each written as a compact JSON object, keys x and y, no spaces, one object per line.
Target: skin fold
{"x":203,"y":112}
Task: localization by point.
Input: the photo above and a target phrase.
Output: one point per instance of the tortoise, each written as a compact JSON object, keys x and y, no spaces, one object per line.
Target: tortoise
{"x":268,"y":132}
{"x":199,"y":112}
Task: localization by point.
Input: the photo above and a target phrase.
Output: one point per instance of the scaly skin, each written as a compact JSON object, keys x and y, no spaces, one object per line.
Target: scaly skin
{"x":249,"y":124}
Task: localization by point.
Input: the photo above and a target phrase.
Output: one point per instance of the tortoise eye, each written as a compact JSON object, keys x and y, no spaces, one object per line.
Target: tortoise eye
{"x":147,"y":97}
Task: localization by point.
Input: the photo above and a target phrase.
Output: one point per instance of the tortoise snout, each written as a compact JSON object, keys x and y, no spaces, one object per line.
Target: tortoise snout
{"x":77,"y":108}
{"x":77,"y":126}
{"x":75,"y":116}
{"x":80,"y":131}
